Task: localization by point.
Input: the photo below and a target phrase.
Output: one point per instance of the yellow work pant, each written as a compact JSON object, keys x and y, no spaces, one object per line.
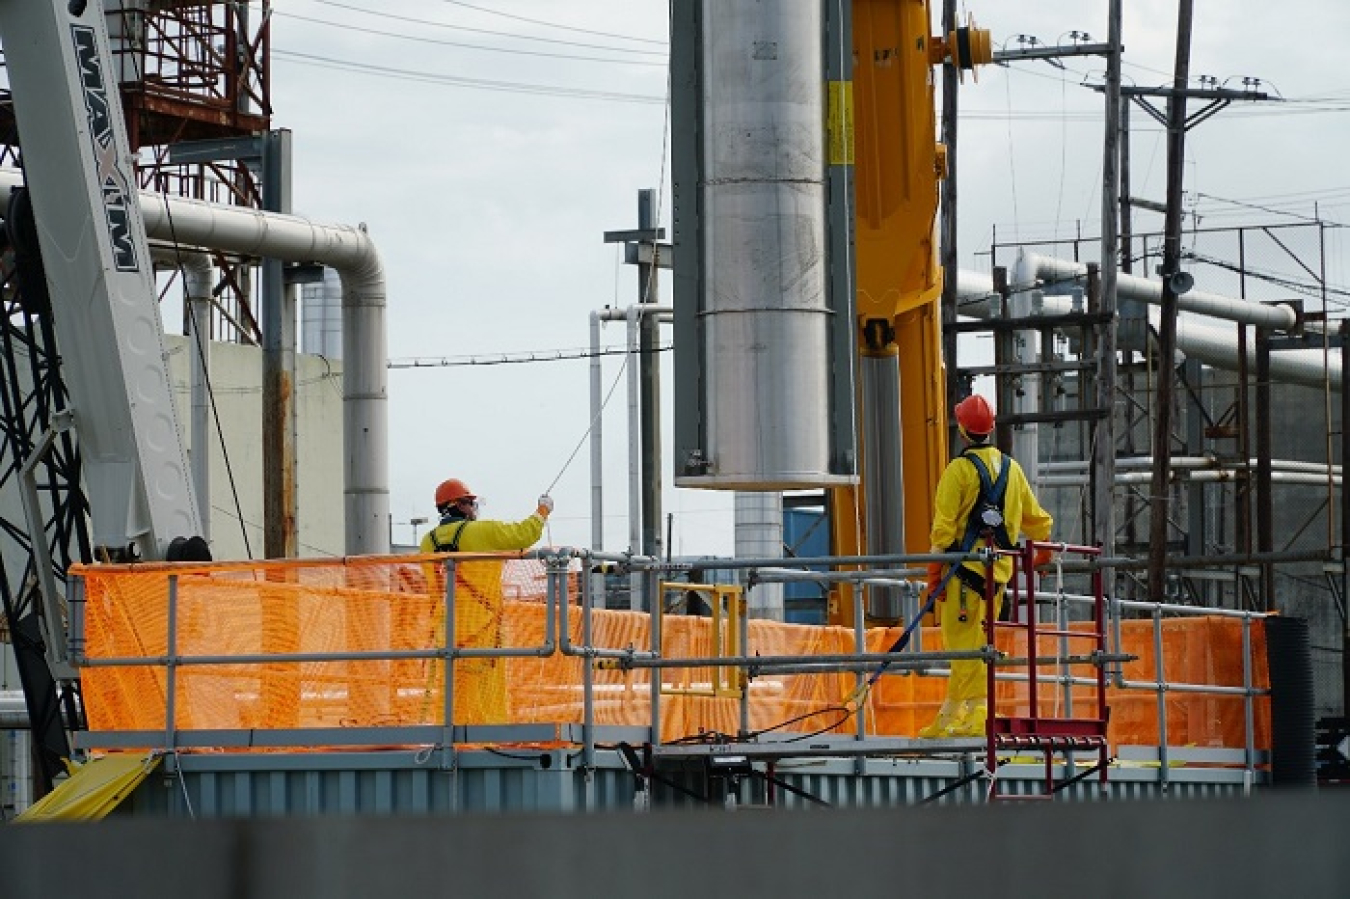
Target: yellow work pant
{"x":968,"y":680}
{"x":480,"y":683}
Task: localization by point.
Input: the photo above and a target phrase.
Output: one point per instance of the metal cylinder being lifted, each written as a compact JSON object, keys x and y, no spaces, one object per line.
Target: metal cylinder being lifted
{"x":764,"y":313}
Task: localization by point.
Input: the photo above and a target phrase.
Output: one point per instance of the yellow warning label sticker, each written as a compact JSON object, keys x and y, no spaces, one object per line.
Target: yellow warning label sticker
{"x":839,"y":127}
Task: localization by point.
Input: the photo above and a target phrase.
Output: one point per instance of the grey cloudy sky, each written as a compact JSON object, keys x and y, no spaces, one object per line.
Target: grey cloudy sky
{"x":488,"y":146}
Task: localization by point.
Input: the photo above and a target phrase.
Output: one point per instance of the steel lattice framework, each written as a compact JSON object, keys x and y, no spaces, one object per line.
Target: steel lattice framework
{"x":32,"y":400}
{"x":191,"y":73}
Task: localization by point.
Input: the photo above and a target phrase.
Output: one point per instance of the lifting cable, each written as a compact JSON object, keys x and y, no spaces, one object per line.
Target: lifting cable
{"x":652,"y":275}
{"x":200,"y":346}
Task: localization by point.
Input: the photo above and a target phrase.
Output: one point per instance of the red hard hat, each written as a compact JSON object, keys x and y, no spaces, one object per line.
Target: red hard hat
{"x":451,"y":491}
{"x":975,"y":415}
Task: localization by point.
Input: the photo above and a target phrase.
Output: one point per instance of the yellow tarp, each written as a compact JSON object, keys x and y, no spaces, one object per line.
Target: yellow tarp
{"x":93,"y":790}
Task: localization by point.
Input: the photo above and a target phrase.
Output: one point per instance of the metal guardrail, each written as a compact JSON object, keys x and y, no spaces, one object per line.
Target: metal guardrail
{"x":561,"y":563}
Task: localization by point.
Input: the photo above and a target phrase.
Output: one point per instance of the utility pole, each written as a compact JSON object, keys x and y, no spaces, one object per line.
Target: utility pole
{"x":280,"y":503}
{"x":643,"y":246}
{"x":1265,"y":508}
{"x":649,"y":291}
{"x":1126,"y":216}
{"x":1104,"y":438}
{"x":947,"y":222}
{"x":1167,"y":326}
{"x":1345,"y":520}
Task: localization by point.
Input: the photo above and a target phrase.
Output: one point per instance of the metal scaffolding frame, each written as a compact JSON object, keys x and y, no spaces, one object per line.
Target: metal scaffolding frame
{"x":196,"y":90}
{"x":1240,"y":429}
{"x":37,"y":452}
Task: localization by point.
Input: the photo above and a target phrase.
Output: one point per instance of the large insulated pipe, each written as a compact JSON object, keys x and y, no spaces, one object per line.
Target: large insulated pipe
{"x":766,"y":391}
{"x":1197,"y":463}
{"x":365,"y":367}
{"x":597,"y":440}
{"x":321,"y":316}
{"x":365,"y":371}
{"x":634,"y":436}
{"x":1132,"y":287}
{"x":1026,"y":389}
{"x":631,"y":315}
{"x":759,"y":535}
{"x":1211,"y":476}
{"x":884,"y":478}
{"x":1198,"y":337}
{"x":13,"y":710}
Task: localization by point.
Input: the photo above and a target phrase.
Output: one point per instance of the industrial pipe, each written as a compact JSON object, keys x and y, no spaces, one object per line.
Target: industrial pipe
{"x":1209,"y":343}
{"x":351,"y":252}
{"x":1193,"y":462}
{"x":1131,"y":287}
{"x":1206,"y":475}
{"x":610,"y":314}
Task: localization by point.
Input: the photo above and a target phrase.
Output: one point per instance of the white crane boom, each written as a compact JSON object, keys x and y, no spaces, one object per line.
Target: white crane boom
{"x":80,"y":173}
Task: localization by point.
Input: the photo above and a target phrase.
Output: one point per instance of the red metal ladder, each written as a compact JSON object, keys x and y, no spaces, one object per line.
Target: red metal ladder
{"x":1035,"y":732}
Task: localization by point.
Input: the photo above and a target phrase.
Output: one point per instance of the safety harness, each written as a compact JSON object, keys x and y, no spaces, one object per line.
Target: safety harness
{"x":453,"y":545}
{"x":986,"y":517}
{"x":987,"y":512}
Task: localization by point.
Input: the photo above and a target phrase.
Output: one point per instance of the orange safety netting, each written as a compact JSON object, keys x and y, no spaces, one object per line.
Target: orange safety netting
{"x":378,"y":605}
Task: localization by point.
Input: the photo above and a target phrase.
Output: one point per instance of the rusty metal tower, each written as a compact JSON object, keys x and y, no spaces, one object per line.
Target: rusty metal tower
{"x":195,"y":83}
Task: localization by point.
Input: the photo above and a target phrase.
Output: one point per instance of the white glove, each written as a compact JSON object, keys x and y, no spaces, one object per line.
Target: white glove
{"x":545,"y":505}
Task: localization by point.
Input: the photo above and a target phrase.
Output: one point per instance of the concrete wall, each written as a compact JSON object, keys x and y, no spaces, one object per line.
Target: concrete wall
{"x":236,"y":373}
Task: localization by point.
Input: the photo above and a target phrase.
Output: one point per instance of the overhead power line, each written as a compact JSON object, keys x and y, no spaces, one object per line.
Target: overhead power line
{"x":383,"y":14}
{"x":1273,"y":210}
{"x":507,"y":15}
{"x":511,"y":358}
{"x":514,"y":87}
{"x":423,"y":39}
{"x":1313,"y":289}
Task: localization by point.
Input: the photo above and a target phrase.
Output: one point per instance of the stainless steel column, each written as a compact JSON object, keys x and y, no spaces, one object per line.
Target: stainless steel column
{"x":765,"y":314}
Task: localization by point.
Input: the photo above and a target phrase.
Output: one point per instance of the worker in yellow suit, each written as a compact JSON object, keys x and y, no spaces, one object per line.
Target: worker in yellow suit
{"x":982,"y":498}
{"x":480,"y":683}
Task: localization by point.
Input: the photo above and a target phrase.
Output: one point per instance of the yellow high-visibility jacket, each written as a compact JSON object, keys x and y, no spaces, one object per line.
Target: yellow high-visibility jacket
{"x":959,"y":488}
{"x":480,"y":691}
{"x":480,"y":583}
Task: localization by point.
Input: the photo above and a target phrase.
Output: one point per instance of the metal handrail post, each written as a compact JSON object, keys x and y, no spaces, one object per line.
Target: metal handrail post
{"x":860,"y":646}
{"x":1033,"y":674}
{"x":743,"y":647}
{"x":1160,"y":685}
{"x":171,"y":668}
{"x":584,"y":648}
{"x":1118,"y":638}
{"x":448,"y":660}
{"x":1103,"y":713}
{"x":1065,"y":681}
{"x":75,"y":601}
{"x":1249,"y":722}
{"x":587,"y":667}
{"x":650,"y":579}
{"x":990,"y":675}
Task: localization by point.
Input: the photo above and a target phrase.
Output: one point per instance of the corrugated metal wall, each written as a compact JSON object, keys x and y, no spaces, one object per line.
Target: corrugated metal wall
{"x":407,"y":783}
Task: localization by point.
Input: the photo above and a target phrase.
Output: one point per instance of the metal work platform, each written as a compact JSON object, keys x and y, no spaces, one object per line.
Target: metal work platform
{"x":631,"y":710}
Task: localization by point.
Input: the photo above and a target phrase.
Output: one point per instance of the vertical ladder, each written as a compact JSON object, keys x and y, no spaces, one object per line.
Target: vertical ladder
{"x":1034,"y":731}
